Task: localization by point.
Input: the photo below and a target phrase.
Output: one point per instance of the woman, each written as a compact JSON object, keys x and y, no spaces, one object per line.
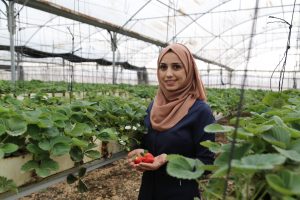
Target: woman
{"x":175,"y":121}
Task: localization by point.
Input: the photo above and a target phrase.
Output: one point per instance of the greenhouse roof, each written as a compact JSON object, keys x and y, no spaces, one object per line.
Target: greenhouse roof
{"x":216,"y":31}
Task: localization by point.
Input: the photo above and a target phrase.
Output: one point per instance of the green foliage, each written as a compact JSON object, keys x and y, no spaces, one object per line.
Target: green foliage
{"x":48,"y":126}
{"x":81,"y":185}
{"x":7,"y":185}
{"x":266,"y":156}
{"x":285,"y":182}
{"x":185,"y":168}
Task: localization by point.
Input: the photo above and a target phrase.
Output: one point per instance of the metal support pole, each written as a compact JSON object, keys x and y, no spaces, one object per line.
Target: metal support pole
{"x":11,"y":29}
{"x":113,"y":48}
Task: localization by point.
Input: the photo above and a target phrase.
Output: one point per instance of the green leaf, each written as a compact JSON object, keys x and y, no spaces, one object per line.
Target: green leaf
{"x":1,"y":154}
{"x":93,"y":154}
{"x":7,"y":185}
{"x":243,"y":134}
{"x":221,"y":172}
{"x":60,"y":124}
{"x":58,"y":116}
{"x":45,"y":145}
{"x":32,"y":148}
{"x":239,"y":151}
{"x":79,"y":143}
{"x":32,"y":116}
{"x":71,"y":179}
{"x":45,"y":122}
{"x":107,"y":134}
{"x":15,"y":126}
{"x":291,"y":154}
{"x":295,"y":145}
{"x":291,"y":117}
{"x":49,"y":164}
{"x":91,"y":146}
{"x":79,"y":129}
{"x":293,"y":151}
{"x":34,"y":131}
{"x":2,"y":129}
{"x":278,"y":121}
{"x":184,"y":168}
{"x":258,"y":162}
{"x":262,"y":128}
{"x":209,"y":167}
{"x":294,"y":132}
{"x":9,"y":148}
{"x":212,"y":146}
{"x":285,"y":182}
{"x":276,"y":100}
{"x":42,"y":172}
{"x":278,"y":136}
{"x":60,"y":149}
{"x":60,"y":139}
{"x":52,"y":132}
{"x":30,"y":165}
{"x":76,"y":154}
{"x":214,"y":189}
{"x":82,"y":186}
{"x":217,"y":128}
{"x":81,"y":171}
{"x":4,"y":110}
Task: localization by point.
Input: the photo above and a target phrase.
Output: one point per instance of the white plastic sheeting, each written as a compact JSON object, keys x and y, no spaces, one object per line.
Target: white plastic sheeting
{"x":218,"y":30}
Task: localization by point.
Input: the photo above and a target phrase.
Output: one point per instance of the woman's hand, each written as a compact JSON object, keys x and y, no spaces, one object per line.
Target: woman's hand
{"x":132,"y":155}
{"x":157,"y":163}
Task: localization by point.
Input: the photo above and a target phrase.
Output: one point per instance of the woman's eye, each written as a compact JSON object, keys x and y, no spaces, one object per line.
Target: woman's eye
{"x":177,"y":67}
{"x":162,"y":67}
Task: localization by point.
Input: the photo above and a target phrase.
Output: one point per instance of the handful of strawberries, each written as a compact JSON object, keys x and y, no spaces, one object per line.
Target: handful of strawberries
{"x":145,"y":157}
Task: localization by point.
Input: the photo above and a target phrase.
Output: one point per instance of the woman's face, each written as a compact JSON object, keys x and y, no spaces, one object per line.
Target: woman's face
{"x":171,"y":72}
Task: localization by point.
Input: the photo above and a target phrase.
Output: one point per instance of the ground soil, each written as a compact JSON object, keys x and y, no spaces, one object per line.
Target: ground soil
{"x":115,"y":181}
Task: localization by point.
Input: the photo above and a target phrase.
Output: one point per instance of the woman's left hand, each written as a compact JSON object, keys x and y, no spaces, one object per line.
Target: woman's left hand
{"x":158,"y":162}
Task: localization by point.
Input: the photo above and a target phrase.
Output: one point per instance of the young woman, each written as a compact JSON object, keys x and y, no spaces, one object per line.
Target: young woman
{"x":175,"y":121}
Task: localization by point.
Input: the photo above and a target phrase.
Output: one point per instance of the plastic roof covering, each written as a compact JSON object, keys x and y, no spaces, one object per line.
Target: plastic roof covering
{"x":217,"y":30}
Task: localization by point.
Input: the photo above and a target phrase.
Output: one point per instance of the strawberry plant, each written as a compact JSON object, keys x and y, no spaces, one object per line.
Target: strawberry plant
{"x":266,"y":159}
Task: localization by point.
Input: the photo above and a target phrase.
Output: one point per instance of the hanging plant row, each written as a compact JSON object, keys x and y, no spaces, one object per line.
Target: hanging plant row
{"x":49,"y":128}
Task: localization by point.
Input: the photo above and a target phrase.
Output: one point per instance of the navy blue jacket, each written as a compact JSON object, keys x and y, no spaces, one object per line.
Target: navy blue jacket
{"x":183,"y":139}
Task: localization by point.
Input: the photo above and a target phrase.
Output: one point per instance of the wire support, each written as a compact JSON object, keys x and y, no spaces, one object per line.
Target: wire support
{"x":240,"y":105}
{"x":288,"y":46}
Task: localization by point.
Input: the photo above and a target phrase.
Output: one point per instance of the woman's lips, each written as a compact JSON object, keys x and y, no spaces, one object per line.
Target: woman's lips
{"x":170,"y":82}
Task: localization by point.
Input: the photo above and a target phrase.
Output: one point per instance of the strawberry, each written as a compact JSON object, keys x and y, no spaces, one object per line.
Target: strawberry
{"x":148,"y":155}
{"x":148,"y":158}
{"x":138,"y":159}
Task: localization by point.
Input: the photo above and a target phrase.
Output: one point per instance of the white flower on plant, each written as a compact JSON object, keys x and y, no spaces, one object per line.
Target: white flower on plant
{"x":134,"y":128}
{"x":127,"y":127}
{"x":122,"y":142}
{"x":138,"y":125}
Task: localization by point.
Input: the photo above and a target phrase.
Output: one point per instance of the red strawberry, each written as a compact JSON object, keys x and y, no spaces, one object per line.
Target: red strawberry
{"x":138,"y":159}
{"x":148,"y":155}
{"x":148,"y":158}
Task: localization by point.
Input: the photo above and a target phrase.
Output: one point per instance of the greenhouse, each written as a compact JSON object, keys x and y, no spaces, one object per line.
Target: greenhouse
{"x":78,"y":80}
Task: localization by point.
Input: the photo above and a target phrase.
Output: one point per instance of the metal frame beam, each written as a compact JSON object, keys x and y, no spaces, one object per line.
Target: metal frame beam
{"x":81,"y":17}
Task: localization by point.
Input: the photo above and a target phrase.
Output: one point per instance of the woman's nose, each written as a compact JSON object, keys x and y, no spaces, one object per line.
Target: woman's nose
{"x":169,"y":72}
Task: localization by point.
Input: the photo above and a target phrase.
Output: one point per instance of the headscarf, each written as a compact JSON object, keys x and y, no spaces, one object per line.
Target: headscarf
{"x":169,"y":107}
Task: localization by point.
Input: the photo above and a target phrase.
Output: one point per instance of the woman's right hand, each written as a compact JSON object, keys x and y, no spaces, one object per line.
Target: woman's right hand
{"x":131,"y":156}
{"x":141,"y":167}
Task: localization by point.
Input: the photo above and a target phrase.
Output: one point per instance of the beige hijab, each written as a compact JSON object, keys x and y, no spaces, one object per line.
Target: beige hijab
{"x":170,"y":107}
